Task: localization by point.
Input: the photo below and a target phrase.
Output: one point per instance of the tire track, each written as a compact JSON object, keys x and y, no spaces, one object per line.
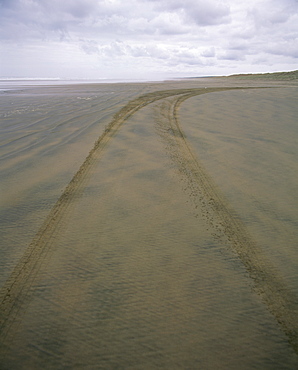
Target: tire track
{"x":16,"y":292}
{"x":280,"y":301}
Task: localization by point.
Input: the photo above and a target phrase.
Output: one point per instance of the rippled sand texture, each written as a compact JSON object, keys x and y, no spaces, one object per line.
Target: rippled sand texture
{"x":170,"y":245}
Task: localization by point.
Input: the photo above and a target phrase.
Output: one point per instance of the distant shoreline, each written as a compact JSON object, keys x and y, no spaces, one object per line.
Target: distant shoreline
{"x":290,"y":75}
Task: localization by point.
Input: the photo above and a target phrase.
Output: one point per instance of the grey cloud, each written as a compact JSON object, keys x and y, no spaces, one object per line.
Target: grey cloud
{"x":79,"y":8}
{"x":209,"y":53}
{"x":232,"y":55}
{"x":150,"y":51}
{"x":287,"y":48}
{"x":239,"y":46}
{"x":209,"y":13}
{"x":168,"y":33}
{"x":267,"y":14}
{"x":8,"y":3}
{"x":89,"y":46}
{"x":139,"y":51}
{"x":203,"y":13}
{"x":115,"y":49}
{"x":44,"y":14}
{"x":170,"y":55}
{"x":40,"y":19}
{"x":168,"y":24}
{"x":190,"y":61}
{"x":119,"y":48}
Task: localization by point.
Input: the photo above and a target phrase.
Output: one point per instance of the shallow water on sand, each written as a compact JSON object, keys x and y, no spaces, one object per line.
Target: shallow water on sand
{"x":135,"y":276}
{"x":46,"y":133}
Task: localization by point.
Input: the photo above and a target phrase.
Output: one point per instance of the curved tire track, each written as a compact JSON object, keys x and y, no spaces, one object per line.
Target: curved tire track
{"x":280,"y":301}
{"x":16,"y":293}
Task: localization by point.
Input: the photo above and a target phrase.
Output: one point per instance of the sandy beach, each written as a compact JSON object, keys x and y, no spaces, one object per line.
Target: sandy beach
{"x":149,"y":225}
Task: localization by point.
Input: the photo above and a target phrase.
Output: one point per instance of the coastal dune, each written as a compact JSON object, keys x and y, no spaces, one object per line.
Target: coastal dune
{"x":138,"y":232}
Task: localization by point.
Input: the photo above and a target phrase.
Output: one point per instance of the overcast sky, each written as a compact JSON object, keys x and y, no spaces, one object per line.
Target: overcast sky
{"x":146,"y":38}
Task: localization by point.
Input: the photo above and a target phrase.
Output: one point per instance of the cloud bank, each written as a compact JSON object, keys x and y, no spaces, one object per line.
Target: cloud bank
{"x":146,"y":38}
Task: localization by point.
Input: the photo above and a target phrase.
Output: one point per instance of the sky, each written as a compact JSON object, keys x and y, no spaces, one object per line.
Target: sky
{"x":146,"y":39}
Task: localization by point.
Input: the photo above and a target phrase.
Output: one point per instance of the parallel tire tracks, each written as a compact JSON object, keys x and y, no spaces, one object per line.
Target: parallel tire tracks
{"x":16,"y":293}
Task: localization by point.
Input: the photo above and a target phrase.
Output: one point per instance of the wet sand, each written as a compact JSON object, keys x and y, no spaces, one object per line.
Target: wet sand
{"x":149,"y":226}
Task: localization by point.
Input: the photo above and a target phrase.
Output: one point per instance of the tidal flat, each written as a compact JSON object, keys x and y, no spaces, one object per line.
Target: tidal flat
{"x":149,"y":225}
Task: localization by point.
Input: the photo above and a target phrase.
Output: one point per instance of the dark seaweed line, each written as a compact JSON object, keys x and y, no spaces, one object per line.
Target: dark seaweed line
{"x":280,"y":301}
{"x":15,"y":293}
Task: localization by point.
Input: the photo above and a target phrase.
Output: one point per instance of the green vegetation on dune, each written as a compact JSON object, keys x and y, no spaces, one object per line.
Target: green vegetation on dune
{"x":292,"y":75}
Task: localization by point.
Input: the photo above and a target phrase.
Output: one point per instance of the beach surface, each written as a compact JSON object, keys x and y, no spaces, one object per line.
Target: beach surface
{"x":149,"y":225}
